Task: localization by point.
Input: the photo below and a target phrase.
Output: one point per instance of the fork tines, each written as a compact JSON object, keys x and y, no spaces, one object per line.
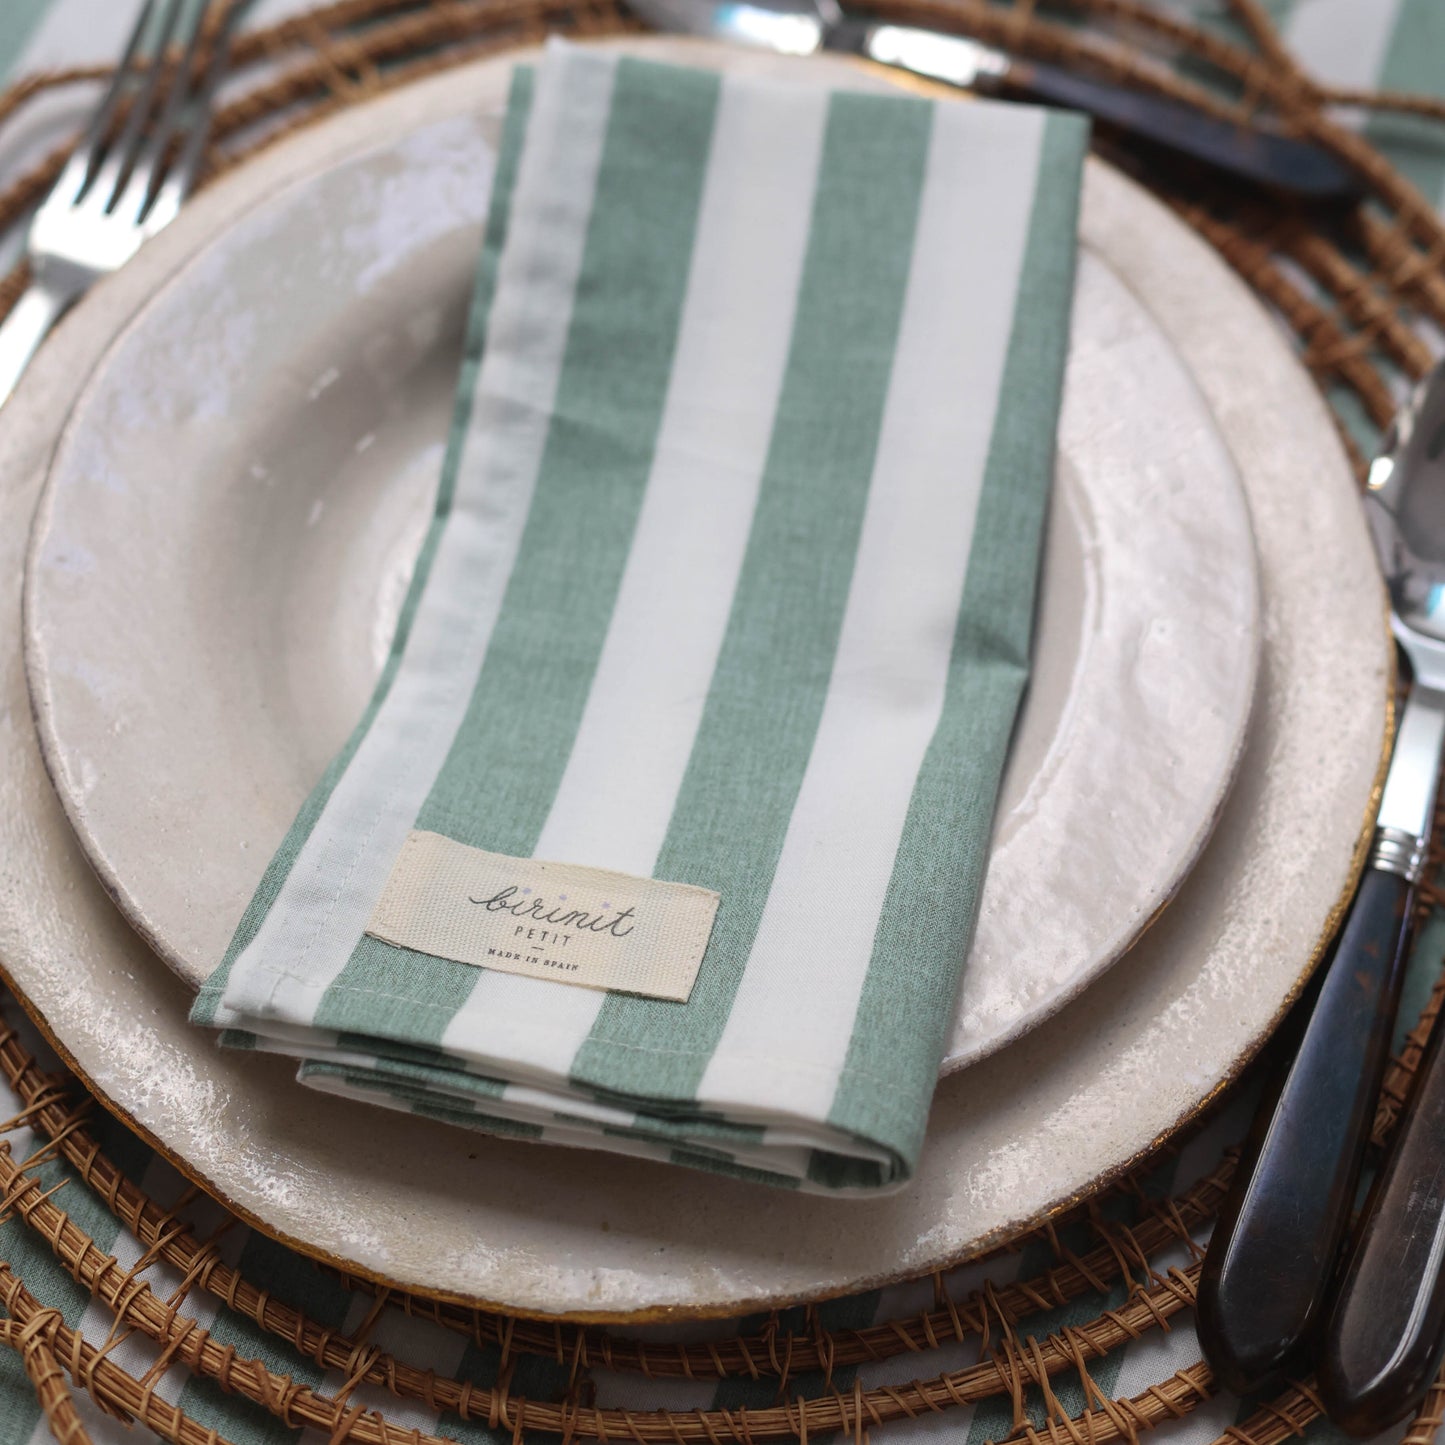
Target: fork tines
{"x":120,"y":165}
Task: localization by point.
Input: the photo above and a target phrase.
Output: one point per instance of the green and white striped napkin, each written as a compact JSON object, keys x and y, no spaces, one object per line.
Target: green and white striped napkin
{"x":729,"y":586}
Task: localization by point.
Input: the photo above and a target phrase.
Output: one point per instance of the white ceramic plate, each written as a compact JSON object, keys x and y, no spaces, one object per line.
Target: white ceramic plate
{"x":233,"y":512}
{"x":548,"y":1231}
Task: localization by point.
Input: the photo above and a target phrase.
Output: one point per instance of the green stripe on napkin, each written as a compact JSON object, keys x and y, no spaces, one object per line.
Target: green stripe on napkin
{"x":730,"y":585}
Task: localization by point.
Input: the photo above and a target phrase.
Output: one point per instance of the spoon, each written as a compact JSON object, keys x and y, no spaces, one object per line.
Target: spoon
{"x":1386,"y":1332}
{"x":1271,"y":1259}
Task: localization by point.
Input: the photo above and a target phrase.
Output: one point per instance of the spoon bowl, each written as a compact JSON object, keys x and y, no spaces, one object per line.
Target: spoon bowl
{"x":1405,"y":506}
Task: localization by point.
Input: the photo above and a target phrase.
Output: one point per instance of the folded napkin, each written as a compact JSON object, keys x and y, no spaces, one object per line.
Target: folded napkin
{"x":663,"y":832}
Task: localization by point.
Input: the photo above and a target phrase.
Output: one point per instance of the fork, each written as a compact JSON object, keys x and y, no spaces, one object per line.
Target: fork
{"x":120,"y":186}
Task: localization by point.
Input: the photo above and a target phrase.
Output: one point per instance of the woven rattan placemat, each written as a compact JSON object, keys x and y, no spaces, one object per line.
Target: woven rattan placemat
{"x":127,"y":1291}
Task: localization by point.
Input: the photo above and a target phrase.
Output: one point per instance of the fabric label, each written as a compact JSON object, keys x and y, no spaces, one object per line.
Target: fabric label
{"x":586,"y":926}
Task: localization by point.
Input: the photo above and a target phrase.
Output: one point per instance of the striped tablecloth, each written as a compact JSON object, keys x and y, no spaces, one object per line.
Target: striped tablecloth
{"x":1395,"y":44}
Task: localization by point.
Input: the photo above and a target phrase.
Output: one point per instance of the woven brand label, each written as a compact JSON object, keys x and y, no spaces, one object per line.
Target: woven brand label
{"x":557,"y":921}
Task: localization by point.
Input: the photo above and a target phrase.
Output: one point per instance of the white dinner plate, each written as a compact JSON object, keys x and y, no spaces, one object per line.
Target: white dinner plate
{"x":233,"y":513}
{"x":550,"y":1231}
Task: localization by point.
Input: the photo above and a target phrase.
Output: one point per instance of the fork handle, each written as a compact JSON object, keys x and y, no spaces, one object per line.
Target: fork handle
{"x":27,"y":325}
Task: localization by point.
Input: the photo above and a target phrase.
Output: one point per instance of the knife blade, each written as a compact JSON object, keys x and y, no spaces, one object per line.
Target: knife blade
{"x":1264,"y":157}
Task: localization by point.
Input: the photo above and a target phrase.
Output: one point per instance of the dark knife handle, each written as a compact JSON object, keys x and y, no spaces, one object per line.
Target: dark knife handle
{"x":1273,"y":1251}
{"x":1280,"y":162}
{"x":1386,"y":1332}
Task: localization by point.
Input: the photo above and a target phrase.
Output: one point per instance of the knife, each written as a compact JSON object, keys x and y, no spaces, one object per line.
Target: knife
{"x":1265,"y":157}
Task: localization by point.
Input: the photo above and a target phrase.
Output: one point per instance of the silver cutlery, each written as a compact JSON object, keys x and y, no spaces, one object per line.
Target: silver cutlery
{"x":1254,"y":153}
{"x":134,"y":165}
{"x":1384,"y":1338}
{"x":1268,"y":1273}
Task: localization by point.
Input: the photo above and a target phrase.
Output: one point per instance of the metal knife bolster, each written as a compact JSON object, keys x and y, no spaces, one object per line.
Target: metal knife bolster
{"x":951,"y":59}
{"x":1411,"y":785}
{"x":787,"y":31}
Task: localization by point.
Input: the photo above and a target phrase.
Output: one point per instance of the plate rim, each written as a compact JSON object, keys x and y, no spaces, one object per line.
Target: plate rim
{"x":980,"y":1245}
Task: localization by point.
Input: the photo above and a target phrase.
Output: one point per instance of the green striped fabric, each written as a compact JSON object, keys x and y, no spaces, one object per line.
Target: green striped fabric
{"x":1330,"y":51}
{"x":730,"y":584}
